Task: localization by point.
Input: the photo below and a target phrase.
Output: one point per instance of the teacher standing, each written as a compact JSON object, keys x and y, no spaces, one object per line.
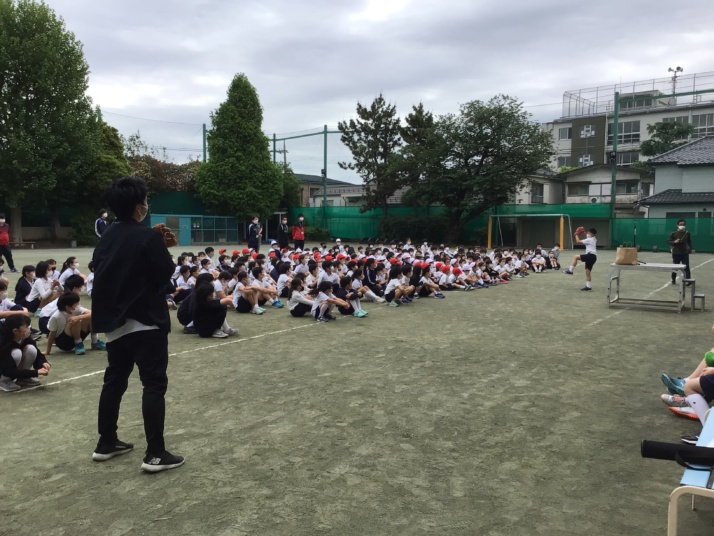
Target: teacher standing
{"x":299,"y":232}
{"x":255,"y":233}
{"x":681,"y":242}
{"x":132,"y":266}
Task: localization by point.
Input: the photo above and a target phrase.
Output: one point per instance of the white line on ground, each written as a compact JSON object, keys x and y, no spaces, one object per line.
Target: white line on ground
{"x":619,"y":312}
{"x":193,"y":350}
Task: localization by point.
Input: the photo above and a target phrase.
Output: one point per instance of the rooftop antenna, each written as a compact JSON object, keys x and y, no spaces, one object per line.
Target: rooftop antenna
{"x":676,"y":71}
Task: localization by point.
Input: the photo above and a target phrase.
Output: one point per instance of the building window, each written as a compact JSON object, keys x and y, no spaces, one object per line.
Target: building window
{"x":578,"y":188}
{"x":564,"y":161}
{"x":680,"y":215}
{"x":625,"y":158}
{"x":585,"y":160}
{"x":703,"y":125}
{"x":704,"y":215}
{"x":565,"y":133}
{"x":588,"y":131}
{"x":628,"y":132}
{"x":626,"y":187}
{"x":678,"y":119}
{"x":646,"y":189}
{"x":537,"y":193}
{"x":640,"y":103}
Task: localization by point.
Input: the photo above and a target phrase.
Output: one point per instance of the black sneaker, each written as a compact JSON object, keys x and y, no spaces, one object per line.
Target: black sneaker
{"x":586,"y":289}
{"x":105,"y":452}
{"x":190,"y":330}
{"x":690,"y":439}
{"x":156,"y":464}
{"x":330,"y":316}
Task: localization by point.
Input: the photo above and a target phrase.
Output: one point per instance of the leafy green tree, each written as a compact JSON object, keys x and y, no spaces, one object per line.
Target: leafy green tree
{"x":292,"y":190}
{"x":48,"y":127}
{"x":374,"y":139}
{"x":239,"y":177}
{"x":665,"y":137}
{"x":482,"y":156}
{"x":412,"y":161}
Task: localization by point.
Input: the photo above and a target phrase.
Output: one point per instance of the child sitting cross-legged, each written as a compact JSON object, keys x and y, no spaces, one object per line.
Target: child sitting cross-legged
{"x":21,"y":362}
{"x":324,"y":302}
{"x":351,"y":297}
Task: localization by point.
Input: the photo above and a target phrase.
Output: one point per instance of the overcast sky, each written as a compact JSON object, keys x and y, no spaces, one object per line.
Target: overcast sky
{"x":311,"y":61}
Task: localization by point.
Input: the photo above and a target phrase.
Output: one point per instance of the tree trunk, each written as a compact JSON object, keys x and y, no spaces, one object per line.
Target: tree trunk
{"x":455,"y":224}
{"x":16,"y":224}
{"x":54,"y":222}
{"x":385,"y":208}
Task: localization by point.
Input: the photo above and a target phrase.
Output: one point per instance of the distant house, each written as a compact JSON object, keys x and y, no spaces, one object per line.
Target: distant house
{"x":544,"y":188}
{"x":311,"y":184}
{"x":349,"y":195}
{"x":684,"y":182}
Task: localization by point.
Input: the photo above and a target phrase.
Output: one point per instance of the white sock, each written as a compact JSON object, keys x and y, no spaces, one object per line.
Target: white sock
{"x":271,"y":301}
{"x":256,"y":307}
{"x":94,"y":336}
{"x":587,"y":284}
{"x":355,"y":305}
{"x":371,"y":295}
{"x":77,"y":341}
{"x":225,"y":326}
{"x":699,"y":405}
{"x":571,"y":269}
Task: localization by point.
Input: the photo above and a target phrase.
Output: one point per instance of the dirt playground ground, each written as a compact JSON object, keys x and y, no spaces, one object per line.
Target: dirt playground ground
{"x":512,"y":410}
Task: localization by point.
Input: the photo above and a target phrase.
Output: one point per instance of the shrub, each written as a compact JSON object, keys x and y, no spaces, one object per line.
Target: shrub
{"x":316,"y":234}
{"x":83,"y":229}
{"x":431,"y":228}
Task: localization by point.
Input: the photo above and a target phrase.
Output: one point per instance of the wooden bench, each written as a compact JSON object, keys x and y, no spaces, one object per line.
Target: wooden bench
{"x":22,"y":245}
{"x":692,"y":283}
{"x":694,"y":483}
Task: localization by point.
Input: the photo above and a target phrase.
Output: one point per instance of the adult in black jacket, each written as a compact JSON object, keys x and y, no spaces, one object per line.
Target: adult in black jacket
{"x":132,"y":265}
{"x":255,"y":233}
{"x":284,"y":233}
{"x":681,"y":243}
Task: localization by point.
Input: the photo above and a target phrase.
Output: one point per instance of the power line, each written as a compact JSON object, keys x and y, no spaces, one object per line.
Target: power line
{"x":153,"y":120}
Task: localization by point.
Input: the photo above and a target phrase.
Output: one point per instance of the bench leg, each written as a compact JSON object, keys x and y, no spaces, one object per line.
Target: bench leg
{"x":674,"y":502}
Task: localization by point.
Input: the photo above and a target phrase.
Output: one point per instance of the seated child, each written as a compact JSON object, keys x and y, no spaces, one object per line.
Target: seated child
{"x":351,"y":297}
{"x":324,"y":301}
{"x":69,"y":325}
{"x":299,"y":301}
{"x":21,"y":362}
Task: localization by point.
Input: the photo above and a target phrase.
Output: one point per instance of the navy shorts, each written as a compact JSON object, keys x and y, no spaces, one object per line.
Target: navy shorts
{"x":707,"y":384}
{"x":589,"y":259}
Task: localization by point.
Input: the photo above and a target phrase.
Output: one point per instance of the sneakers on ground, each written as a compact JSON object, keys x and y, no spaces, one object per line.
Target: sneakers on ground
{"x":258,"y":310}
{"x":157,"y":463}
{"x":13,"y":271}
{"x":360,"y":313}
{"x":567,"y":272}
{"x":393,"y":304}
{"x":28,"y":382}
{"x":674,"y":401}
{"x":690,"y":439}
{"x":189,"y":330}
{"x":8,"y":385}
{"x":35,"y":334}
{"x":219,"y":334}
{"x":468,"y":287}
{"x":330,"y":316}
{"x":277,"y":304}
{"x":675,"y":386}
{"x":99,"y":345}
{"x":586,"y":289}
{"x":379,"y":300}
{"x":231,"y":332}
{"x":105,"y":452}
{"x":439,"y":295}
{"x":79,"y":349}
{"x":321,"y":319}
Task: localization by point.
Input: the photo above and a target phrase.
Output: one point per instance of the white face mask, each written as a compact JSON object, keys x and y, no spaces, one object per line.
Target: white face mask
{"x":142,"y":217}
{"x":255,"y":221}
{"x":75,"y":266}
{"x":680,"y":227}
{"x":105,"y":215}
{"x":3,"y":296}
{"x":2,"y":220}
{"x":301,"y":219}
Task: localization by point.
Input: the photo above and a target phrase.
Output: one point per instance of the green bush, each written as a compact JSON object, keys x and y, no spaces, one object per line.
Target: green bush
{"x":83,"y":229}
{"x":431,"y":228}
{"x":316,"y":234}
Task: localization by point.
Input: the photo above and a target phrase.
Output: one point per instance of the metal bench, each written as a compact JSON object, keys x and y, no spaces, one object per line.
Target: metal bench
{"x":23,"y":245}
{"x":694,"y":483}
{"x":692,"y":285}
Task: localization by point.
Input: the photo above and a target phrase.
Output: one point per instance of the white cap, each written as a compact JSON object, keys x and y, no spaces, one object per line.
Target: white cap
{"x":273,"y":242}
{"x":338,"y":240}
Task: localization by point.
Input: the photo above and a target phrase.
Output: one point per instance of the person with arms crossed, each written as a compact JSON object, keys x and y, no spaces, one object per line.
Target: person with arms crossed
{"x":681,"y":243}
{"x":131,"y":267}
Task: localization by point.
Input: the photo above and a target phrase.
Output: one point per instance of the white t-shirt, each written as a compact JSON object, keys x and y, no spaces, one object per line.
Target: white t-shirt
{"x":318,"y":301}
{"x":67,"y":273}
{"x":58,"y":321}
{"x":283,"y":282}
{"x":590,"y":245}
{"x":90,"y":284}
{"x":185,"y":284}
{"x":41,"y":288}
{"x":6,"y":305}
{"x":237,"y":293}
{"x":392,"y":285}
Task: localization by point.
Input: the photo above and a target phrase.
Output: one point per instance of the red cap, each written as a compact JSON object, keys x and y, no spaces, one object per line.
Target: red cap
{"x":457,"y":271}
{"x":246,"y":251}
{"x":222,"y":251}
{"x":438,"y":265}
{"x":393,"y":260}
{"x":254,"y":255}
{"x":446,"y":268}
{"x":328,"y":257}
{"x":236,"y":252}
{"x":271,"y":254}
{"x":296,"y":256}
{"x":341,"y":255}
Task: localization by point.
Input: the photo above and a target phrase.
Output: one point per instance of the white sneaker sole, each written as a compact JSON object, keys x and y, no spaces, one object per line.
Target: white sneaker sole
{"x":97,"y":457}
{"x":158,"y":468}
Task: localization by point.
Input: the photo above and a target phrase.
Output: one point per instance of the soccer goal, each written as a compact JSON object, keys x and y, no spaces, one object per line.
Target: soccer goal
{"x":561,"y":218}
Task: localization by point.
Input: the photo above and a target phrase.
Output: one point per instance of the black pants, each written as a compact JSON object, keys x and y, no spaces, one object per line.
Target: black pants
{"x":6,"y":252}
{"x":300,"y":244}
{"x":681,"y":258}
{"x":208,"y":320}
{"x":150,"y":351}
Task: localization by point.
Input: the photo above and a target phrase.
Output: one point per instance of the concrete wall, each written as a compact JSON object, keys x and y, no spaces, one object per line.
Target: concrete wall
{"x":698,"y":179}
{"x":667,"y":178}
{"x":660,"y":211}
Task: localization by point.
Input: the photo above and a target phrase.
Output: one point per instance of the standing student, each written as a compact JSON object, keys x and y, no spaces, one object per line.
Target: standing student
{"x":589,"y":258}
{"x":5,"y":250}
{"x":681,"y":243}
{"x":255,"y":232}
{"x":283,"y":233}
{"x":299,"y":233}
{"x":132,"y":265}
{"x":100,"y":225}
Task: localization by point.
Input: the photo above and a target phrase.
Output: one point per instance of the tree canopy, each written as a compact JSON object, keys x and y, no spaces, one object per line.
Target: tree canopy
{"x":665,"y":136}
{"x":48,"y":127}
{"x":239,"y":177}
{"x":374,"y":139}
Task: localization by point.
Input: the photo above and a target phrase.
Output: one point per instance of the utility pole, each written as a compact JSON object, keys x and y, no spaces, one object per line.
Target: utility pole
{"x":204,"y":143}
{"x":283,"y":151}
{"x":613,"y":163}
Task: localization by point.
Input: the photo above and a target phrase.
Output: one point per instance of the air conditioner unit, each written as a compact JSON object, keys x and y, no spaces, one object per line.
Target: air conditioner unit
{"x":594,"y":199}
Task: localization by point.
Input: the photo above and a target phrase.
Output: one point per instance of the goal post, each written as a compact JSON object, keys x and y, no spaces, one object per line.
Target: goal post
{"x":561,"y":227}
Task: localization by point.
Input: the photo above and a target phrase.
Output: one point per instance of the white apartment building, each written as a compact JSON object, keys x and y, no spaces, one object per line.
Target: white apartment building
{"x":584,"y":133}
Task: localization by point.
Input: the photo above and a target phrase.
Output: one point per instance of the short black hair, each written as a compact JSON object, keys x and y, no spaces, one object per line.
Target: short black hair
{"x":66,"y":300}
{"x":209,"y":249}
{"x":592,"y":230}
{"x":682,"y":220}
{"x":204,"y":278}
{"x":73,"y":281}
{"x":124,"y":194}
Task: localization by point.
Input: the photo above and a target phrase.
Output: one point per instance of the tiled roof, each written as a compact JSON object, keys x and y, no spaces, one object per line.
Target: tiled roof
{"x":694,"y":153}
{"x":317,"y":179}
{"x":676,"y":197}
